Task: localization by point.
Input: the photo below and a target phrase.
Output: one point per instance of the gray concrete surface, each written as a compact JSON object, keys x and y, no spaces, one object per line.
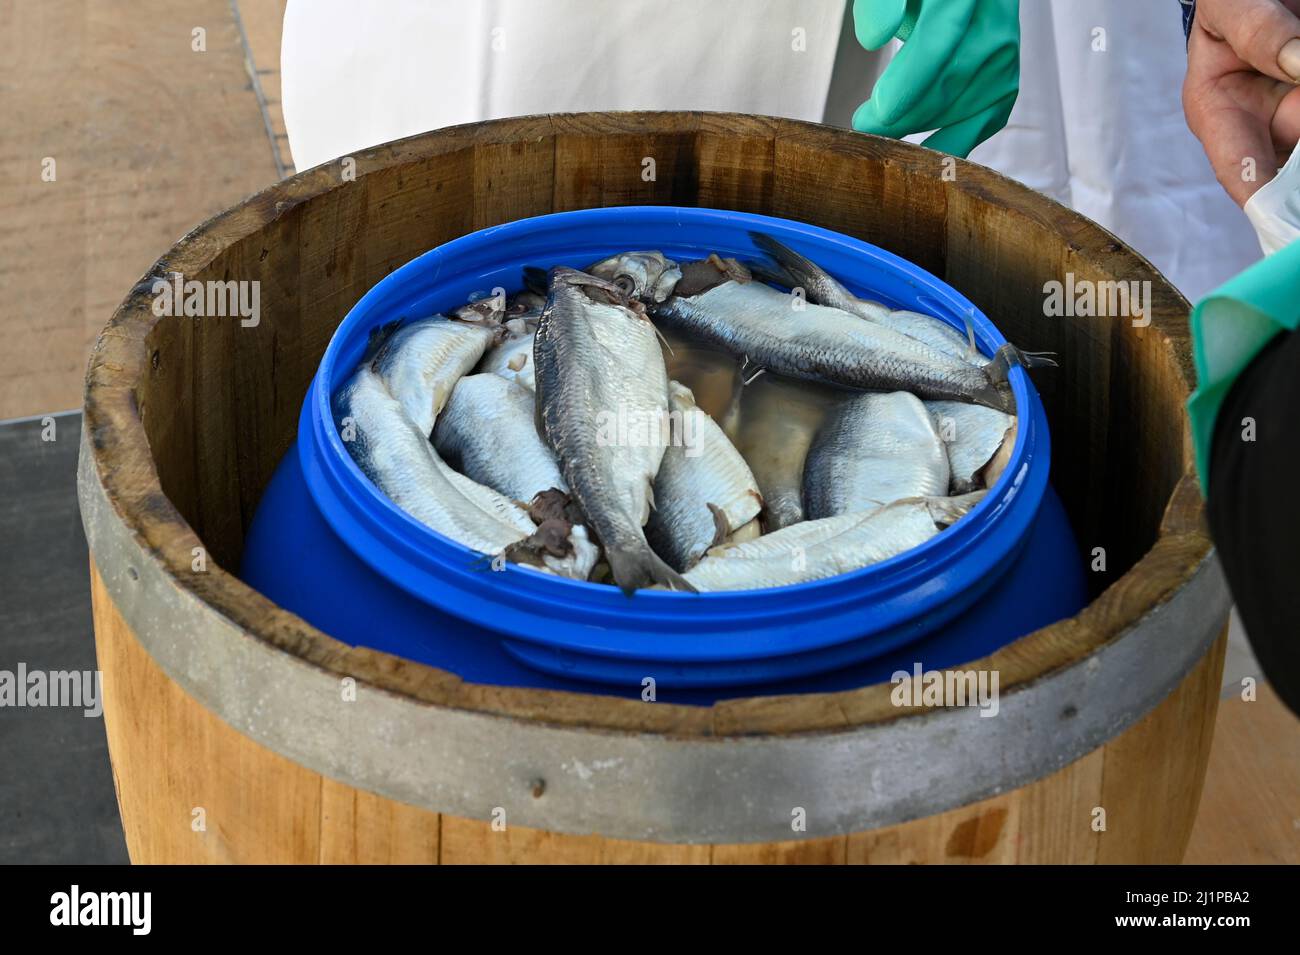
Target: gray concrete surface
{"x":56,"y":789}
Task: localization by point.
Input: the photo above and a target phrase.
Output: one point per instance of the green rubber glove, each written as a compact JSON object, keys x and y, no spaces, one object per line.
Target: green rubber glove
{"x":958,"y":72}
{"x":1229,"y":327}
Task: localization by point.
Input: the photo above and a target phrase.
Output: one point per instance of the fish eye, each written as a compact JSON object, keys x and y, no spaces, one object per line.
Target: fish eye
{"x":625,"y":284}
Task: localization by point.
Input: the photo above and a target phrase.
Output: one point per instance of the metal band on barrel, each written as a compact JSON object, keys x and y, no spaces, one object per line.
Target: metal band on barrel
{"x":645,"y":786}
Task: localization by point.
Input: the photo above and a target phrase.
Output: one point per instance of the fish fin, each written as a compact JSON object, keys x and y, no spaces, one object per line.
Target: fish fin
{"x":803,"y":270}
{"x":972,"y":349}
{"x":1009,"y":356}
{"x":721,"y":526}
{"x":539,"y":419}
{"x":535,"y":279}
{"x":638,"y":567}
{"x":997,"y":393}
{"x":378,"y":335}
{"x":660,"y":335}
{"x":1004,"y":359}
{"x":1038,"y":359}
{"x":771,"y":274}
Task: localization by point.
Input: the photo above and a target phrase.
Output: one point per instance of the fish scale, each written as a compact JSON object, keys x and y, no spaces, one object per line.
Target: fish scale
{"x":392,"y":450}
{"x":486,"y":415}
{"x":756,"y":322}
{"x":874,"y":449}
{"x":703,"y":488}
{"x":597,"y":361}
{"x":421,"y":362}
{"x":812,"y":550}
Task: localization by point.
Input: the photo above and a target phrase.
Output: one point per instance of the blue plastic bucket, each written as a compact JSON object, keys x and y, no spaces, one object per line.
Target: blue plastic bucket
{"x":326,"y":544}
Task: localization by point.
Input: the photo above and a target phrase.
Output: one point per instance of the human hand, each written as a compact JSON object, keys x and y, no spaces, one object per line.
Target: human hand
{"x":1240,"y":95}
{"x":958,"y":72}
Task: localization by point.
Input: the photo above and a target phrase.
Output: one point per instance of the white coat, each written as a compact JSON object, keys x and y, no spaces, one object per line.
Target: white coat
{"x":1098,"y":124}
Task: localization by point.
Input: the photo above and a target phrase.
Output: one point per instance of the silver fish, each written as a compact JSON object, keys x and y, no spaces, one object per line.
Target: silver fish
{"x":973,"y":437}
{"x":488,"y":432}
{"x":998,"y":463}
{"x":773,"y":427}
{"x":500,"y":309}
{"x":791,"y":269}
{"x":391,"y":451}
{"x":648,"y":276}
{"x":421,"y":362}
{"x":704,"y":490}
{"x":602,"y":393}
{"x":400,"y":461}
{"x":874,"y":449}
{"x":824,"y":548}
{"x":783,"y":334}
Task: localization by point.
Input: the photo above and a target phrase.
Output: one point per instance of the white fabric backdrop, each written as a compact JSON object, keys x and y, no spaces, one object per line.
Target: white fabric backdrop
{"x":1102,"y":131}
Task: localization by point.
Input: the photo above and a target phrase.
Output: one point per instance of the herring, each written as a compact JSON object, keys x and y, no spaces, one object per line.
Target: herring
{"x":487,"y":432}
{"x":596,"y":356}
{"x":793,"y":270}
{"x":649,"y":276}
{"x":827,"y":547}
{"x":875,"y":448}
{"x":421,"y":361}
{"x":716,"y":300}
{"x":975,"y":438}
{"x":704,"y":490}
{"x":391,"y":451}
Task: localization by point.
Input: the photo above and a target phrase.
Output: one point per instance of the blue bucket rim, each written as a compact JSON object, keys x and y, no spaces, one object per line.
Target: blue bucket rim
{"x":591,"y":618}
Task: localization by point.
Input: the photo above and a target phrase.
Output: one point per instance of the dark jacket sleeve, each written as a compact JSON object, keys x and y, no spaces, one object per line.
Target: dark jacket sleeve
{"x":1254,"y":460}
{"x":1189,"y":13}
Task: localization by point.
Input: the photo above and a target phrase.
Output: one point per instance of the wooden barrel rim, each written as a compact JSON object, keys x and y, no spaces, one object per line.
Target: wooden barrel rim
{"x":116,"y":441}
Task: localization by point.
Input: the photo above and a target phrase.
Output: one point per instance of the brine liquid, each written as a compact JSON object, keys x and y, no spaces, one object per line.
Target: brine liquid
{"x":771,"y":414}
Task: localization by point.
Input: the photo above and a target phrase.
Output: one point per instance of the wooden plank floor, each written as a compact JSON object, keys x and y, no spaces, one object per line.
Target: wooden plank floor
{"x":150,"y":137}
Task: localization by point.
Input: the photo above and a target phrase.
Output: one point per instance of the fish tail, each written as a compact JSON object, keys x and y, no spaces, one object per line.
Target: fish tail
{"x":637,"y":566}
{"x":1037,"y":359}
{"x":1009,"y":356}
{"x":790,"y":264}
{"x":772,"y":274}
{"x":998,"y":392}
{"x":994,"y":393}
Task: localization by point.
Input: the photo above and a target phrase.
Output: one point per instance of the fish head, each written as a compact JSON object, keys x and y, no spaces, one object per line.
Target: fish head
{"x":648,"y":276}
{"x":567,"y":282}
{"x":482,"y":310}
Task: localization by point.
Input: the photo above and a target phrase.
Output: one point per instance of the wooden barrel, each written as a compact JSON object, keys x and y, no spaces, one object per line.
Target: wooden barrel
{"x":240,"y":733}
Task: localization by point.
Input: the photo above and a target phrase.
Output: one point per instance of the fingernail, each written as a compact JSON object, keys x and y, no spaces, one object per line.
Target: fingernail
{"x":1289,"y":59}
